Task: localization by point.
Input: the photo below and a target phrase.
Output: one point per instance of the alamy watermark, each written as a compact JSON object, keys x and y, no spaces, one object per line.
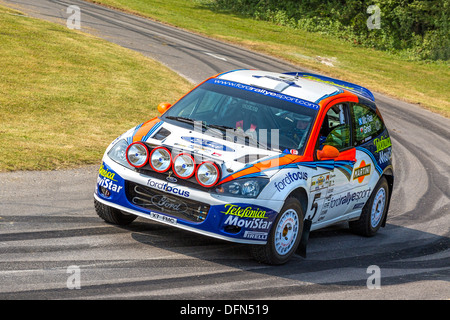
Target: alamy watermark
{"x":74,"y":19}
{"x":74,"y":279}
{"x":374,"y":21}
{"x":374,"y":280}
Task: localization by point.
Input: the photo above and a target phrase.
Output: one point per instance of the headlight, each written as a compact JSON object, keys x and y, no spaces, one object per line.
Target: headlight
{"x":160,"y":159}
{"x":184,"y":166}
{"x":118,"y":153}
{"x":246,"y":188}
{"x":137,"y":154}
{"x":207,"y":174}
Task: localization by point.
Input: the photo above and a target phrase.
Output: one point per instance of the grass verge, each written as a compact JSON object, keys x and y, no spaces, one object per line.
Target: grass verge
{"x":65,"y":95}
{"x":423,"y":83}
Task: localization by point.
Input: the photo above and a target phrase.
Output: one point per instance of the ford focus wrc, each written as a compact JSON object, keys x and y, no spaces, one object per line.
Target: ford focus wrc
{"x":255,"y":157}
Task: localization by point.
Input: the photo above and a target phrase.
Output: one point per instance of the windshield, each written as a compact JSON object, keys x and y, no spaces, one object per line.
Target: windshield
{"x":247,"y":114}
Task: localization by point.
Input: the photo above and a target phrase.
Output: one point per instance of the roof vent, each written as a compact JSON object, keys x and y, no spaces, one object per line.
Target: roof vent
{"x":273,"y":83}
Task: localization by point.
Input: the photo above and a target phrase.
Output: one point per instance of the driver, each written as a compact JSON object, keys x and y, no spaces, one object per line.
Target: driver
{"x":338,"y":136}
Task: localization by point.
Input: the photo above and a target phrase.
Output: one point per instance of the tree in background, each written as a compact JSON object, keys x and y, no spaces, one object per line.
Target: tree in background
{"x":416,"y":29}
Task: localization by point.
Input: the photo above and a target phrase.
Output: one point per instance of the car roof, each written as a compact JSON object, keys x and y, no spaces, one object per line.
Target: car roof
{"x":306,"y":86}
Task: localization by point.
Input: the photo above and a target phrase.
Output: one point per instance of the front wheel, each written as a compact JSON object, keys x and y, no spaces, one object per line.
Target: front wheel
{"x":284,"y":237}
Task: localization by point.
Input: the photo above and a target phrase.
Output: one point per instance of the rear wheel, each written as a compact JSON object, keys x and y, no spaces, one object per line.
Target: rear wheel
{"x":284,"y":237}
{"x":374,"y":211}
{"x":113,"y":215}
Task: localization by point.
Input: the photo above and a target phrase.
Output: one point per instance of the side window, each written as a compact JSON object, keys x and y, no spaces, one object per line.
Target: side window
{"x":367,"y":123}
{"x":335,"y":130}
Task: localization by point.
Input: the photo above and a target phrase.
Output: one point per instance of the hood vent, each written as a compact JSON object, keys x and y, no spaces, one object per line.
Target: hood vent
{"x":161,"y":134}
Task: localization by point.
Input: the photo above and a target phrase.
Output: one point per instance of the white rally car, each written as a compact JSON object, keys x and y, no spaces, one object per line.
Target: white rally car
{"x":255,"y":157}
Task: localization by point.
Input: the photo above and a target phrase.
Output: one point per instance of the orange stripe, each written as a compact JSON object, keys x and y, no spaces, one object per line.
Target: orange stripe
{"x":263,"y":165}
{"x":146,"y":127}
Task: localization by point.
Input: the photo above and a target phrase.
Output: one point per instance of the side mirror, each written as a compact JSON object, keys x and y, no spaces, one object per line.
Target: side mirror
{"x":163,"y":107}
{"x":327,"y":152}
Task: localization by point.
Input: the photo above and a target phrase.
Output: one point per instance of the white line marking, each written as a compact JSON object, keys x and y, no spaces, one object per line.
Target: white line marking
{"x":215,"y":56}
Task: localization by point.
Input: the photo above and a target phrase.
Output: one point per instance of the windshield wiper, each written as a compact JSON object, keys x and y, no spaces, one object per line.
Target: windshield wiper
{"x":217,"y":126}
{"x":187,"y":120}
{"x":182,"y":119}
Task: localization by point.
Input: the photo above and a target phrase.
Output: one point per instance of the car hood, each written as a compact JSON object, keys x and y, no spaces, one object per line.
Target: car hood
{"x":236,"y":160}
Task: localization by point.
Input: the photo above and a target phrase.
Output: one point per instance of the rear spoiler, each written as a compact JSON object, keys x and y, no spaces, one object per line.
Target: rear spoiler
{"x":354,"y":88}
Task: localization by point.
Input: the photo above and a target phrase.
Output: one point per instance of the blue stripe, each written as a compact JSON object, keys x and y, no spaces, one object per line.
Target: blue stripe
{"x":329,"y":95}
{"x":377,"y":167}
{"x":130,"y":139}
{"x":151,"y":131}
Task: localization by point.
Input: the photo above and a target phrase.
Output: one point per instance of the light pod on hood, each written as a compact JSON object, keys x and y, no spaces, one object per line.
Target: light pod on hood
{"x":207,"y":174}
{"x":160,"y":159}
{"x":137,"y":154}
{"x":184,"y":166}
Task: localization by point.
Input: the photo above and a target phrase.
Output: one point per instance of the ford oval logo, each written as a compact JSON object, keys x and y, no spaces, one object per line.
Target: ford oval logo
{"x":169,"y":204}
{"x":171,"y":179}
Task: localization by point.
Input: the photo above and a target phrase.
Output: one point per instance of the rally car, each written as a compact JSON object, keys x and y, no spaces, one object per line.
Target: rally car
{"x":255,"y":157}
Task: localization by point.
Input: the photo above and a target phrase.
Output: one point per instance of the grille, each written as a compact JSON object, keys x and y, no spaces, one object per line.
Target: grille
{"x":175,"y":206}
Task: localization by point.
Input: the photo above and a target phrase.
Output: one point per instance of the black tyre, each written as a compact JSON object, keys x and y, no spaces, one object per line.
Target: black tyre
{"x":284,"y":237}
{"x":113,"y":215}
{"x":374,"y":211}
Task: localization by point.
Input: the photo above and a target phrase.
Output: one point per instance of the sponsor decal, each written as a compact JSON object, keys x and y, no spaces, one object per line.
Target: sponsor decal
{"x":207,"y":144}
{"x":265,"y":92}
{"x":333,"y":83}
{"x":382,"y":143}
{"x":364,"y":129}
{"x":362,"y":171}
{"x":365,"y":119}
{"x":256,"y":235}
{"x":255,"y":223}
{"x":349,"y":198}
{"x":289,"y":178}
{"x":107,"y":179}
{"x":248,"y":212}
{"x":248,"y":217}
{"x":108,"y":184}
{"x":165,"y":187}
{"x":104,"y":172}
{"x":385,"y":155}
{"x":320,"y":181}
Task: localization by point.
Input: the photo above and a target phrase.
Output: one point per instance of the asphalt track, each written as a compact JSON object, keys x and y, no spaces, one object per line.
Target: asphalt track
{"x":48,"y":223}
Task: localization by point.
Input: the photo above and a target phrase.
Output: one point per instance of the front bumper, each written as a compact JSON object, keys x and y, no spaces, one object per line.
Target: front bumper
{"x":227,"y":218}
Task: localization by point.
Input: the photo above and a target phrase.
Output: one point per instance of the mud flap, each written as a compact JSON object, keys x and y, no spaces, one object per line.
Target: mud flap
{"x":305,"y":236}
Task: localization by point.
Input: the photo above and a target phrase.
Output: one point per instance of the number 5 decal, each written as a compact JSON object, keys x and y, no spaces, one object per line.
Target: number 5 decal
{"x":314,"y":205}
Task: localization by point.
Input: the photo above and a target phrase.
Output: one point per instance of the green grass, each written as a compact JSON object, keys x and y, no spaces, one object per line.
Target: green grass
{"x":65,"y":95}
{"x":413,"y":81}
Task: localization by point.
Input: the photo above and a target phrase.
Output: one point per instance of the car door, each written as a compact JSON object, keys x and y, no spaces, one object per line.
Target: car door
{"x":331,"y":182}
{"x":370,"y":145}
